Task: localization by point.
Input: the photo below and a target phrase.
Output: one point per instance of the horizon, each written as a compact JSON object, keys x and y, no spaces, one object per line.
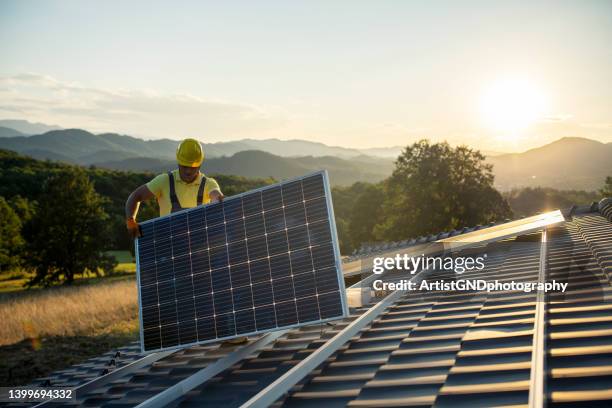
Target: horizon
{"x":485,"y":151}
{"x":287,"y":71}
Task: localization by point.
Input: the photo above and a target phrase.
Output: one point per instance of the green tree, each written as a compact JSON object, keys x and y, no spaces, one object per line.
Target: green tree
{"x":69,"y":232}
{"x":606,"y":191}
{"x":11,"y":242}
{"x":366,"y":213}
{"x":435,"y":187}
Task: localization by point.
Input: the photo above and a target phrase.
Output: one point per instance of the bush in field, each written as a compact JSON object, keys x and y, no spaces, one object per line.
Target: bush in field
{"x":11,"y":242}
{"x":69,"y":232}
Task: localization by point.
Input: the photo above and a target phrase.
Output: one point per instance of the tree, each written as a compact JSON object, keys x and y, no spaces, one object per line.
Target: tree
{"x":69,"y":232}
{"x":606,"y":191}
{"x":435,"y":187}
{"x":366,"y":213}
{"x":11,"y":242}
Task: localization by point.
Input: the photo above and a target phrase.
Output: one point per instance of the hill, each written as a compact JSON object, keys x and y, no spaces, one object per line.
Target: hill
{"x":83,"y":146}
{"x":27,"y":128}
{"x":568,"y":163}
{"x":254,"y":163}
{"x":8,"y":132}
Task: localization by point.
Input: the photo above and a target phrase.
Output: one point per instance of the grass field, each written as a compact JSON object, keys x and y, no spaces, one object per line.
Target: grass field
{"x":50,"y":329}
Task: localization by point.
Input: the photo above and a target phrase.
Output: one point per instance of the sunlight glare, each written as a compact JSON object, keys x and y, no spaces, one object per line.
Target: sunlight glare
{"x":511,"y":106}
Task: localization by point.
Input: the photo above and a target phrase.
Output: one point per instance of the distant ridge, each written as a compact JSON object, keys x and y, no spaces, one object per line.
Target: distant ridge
{"x":255,"y":163}
{"x":27,"y":128}
{"x":568,"y":163}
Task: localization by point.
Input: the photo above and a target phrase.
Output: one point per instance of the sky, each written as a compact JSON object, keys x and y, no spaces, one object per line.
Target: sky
{"x":498,"y":76}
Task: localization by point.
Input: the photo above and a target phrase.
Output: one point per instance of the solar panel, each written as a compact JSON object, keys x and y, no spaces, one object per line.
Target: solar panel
{"x":260,"y":261}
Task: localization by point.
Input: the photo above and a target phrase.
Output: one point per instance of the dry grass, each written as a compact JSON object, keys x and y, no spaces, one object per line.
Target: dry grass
{"x":87,"y":310}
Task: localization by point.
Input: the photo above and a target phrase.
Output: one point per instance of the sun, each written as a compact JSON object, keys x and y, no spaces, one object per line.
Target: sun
{"x":511,"y":106}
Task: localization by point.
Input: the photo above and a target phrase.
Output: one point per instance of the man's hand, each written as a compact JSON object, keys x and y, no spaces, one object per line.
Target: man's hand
{"x":132,"y":227}
{"x":216,"y":196}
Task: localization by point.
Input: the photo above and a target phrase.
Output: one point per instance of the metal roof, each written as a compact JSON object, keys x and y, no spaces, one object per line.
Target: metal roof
{"x":448,"y":349}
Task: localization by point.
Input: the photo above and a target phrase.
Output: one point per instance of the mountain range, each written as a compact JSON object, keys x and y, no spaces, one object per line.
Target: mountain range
{"x":568,"y":163}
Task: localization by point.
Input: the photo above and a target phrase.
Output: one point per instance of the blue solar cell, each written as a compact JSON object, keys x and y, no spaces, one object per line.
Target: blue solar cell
{"x":234,"y":230}
{"x":255,"y":262}
{"x":329,"y":305}
{"x":196,"y":218}
{"x":178,"y":225}
{"x":292,"y":193}
{"x":232,"y":209}
{"x":182,"y":266}
{"x":200,"y":261}
{"x":316,"y":210}
{"x":255,"y":226}
{"x":304,"y":285}
{"x":225,"y":325}
{"x":148,"y":295}
{"x":197,"y":240}
{"x":313,"y":187}
{"x":251,"y":204}
{"x":301,"y":261}
{"x":216,"y":235}
{"x":240,"y":275}
{"x":202,"y":283}
{"x":308,"y":309}
{"x":257,"y":247}
{"x":237,"y":252}
{"x":286,"y":313}
{"x":298,"y":238}
{"x":283,"y":289}
{"x":221,"y":279}
{"x":223,"y":302}
{"x":206,"y":328}
{"x":204,"y":306}
{"x":265,"y":317}
{"x":245,"y":321}
{"x":165,"y":292}
{"x":295,"y":215}
{"x":218,"y":257}
{"x":243,"y":298}
{"x":277,"y":243}
{"x":272,"y":198}
{"x":260,"y":270}
{"x":169,"y":335}
{"x":262,"y":294}
{"x":275,"y":220}
{"x":214,"y":214}
{"x":167,"y":313}
{"x":280,"y":266}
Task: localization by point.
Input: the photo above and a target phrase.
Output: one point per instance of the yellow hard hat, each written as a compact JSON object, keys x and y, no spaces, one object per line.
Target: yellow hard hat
{"x":190,"y":153}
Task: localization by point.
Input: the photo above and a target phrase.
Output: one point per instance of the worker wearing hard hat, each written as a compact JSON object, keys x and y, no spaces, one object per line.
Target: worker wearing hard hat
{"x":185,"y":187}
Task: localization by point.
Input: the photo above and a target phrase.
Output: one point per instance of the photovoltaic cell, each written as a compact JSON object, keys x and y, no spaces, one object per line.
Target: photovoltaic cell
{"x":260,"y":261}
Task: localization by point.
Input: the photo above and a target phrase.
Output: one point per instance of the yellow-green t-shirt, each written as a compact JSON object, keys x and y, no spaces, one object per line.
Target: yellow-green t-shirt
{"x":187,"y":193}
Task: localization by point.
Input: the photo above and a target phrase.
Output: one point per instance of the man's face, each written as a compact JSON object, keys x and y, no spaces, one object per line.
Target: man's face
{"x":188,"y":174}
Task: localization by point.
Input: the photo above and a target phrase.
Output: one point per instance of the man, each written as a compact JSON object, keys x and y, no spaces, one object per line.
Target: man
{"x":185,"y":187}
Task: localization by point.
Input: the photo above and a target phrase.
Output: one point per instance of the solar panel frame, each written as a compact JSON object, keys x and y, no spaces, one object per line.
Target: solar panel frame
{"x":336,"y":253}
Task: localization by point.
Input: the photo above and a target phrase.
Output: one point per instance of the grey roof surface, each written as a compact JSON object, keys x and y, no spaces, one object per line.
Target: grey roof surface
{"x":443,"y":349}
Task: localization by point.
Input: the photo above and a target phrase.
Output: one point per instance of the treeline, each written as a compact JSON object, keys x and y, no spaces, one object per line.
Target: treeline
{"x":58,"y":220}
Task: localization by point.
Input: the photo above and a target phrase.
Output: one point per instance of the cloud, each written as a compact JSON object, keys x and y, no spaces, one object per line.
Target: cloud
{"x":44,"y":98}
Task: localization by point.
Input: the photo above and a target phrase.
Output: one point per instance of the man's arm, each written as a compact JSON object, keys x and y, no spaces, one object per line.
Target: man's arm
{"x":132,"y":204}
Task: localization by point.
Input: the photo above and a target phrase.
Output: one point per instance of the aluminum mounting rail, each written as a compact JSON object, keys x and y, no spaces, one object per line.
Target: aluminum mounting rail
{"x":179,"y":389}
{"x":536,"y":376}
{"x":115,"y":374}
{"x":283,"y":384}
